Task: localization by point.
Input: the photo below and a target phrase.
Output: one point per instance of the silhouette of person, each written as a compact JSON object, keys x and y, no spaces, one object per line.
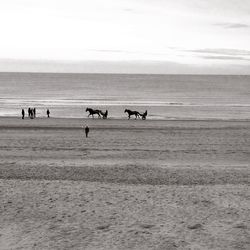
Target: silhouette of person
{"x":86,"y":131}
{"x":48,"y":113}
{"x":105,"y":115}
{"x":34,"y":111}
{"x":29,"y":111}
{"x":23,"y":113}
{"x":144,"y":115}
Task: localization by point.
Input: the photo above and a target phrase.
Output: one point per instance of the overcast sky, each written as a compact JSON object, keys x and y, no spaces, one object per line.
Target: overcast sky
{"x":137,"y":36}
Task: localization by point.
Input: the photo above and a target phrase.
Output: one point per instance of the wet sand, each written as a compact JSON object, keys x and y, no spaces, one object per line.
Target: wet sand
{"x":130,"y":185}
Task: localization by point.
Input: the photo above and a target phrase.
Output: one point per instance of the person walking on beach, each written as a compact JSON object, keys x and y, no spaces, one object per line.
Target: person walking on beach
{"x":23,"y":113}
{"x":48,"y":112}
{"x":86,"y":131}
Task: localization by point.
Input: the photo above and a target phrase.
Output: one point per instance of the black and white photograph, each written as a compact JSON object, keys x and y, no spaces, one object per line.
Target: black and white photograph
{"x":125,"y":124}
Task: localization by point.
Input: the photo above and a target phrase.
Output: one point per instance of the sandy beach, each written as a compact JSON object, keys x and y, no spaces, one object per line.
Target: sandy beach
{"x":132,"y":184}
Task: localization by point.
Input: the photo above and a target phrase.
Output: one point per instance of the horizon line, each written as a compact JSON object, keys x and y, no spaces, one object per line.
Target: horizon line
{"x":117,"y":73}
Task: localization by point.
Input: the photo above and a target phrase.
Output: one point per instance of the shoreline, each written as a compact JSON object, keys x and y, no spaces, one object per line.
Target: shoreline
{"x":131,"y":119}
{"x":119,"y":120}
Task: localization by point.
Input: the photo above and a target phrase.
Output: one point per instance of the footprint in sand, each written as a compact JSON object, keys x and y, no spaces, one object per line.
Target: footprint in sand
{"x":195,"y":226}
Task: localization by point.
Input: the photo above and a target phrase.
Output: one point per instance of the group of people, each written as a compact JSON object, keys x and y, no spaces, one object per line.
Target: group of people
{"x":32,"y":113}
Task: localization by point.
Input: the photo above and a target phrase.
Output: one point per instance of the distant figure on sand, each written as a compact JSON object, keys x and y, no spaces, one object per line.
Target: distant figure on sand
{"x":86,"y":131}
{"x":31,"y":114}
{"x":48,"y":113}
{"x":23,"y":113}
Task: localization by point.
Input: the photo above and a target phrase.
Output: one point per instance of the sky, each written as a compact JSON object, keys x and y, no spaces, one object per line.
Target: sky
{"x":126,"y":36}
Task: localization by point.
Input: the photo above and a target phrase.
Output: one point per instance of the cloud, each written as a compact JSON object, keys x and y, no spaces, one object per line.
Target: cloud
{"x":226,"y":58}
{"x":108,"y":50}
{"x":222,"y":52}
{"x":233,"y":25}
{"x":133,"y":52}
{"x":128,"y":9}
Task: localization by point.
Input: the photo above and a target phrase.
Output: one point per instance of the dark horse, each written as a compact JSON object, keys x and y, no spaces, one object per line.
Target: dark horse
{"x":104,"y":114}
{"x":144,"y":115}
{"x":130,"y":112}
{"x":93,"y":112}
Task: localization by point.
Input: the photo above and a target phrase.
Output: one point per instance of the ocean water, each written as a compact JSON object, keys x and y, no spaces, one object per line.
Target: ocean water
{"x":163,"y":96}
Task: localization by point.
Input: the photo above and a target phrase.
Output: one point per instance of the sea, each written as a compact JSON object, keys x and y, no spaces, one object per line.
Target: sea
{"x":165,"y":97}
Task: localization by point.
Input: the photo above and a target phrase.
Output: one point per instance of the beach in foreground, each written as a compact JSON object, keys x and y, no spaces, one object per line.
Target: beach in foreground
{"x":130,"y":185}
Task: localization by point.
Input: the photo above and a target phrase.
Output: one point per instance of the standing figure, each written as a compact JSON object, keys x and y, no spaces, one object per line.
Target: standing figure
{"x":23,"y":113}
{"x":34,"y":111}
{"x":31,"y":114}
{"x":86,"y":131}
{"x":29,"y":111}
{"x":48,"y":112}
